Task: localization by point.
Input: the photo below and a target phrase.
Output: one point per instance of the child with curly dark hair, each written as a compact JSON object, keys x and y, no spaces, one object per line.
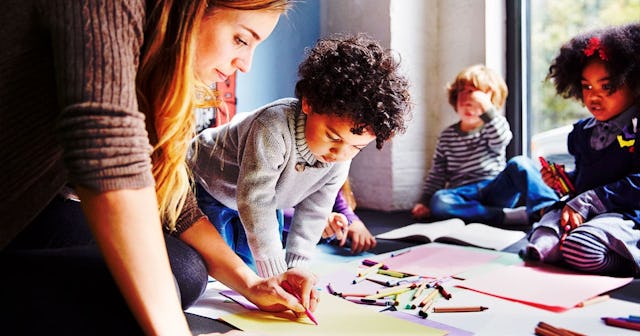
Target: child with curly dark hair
{"x":597,"y":229}
{"x":296,"y":152}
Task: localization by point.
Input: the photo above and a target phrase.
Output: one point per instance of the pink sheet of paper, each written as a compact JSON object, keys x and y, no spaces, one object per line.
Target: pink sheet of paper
{"x":437,"y":261}
{"x":543,"y":286}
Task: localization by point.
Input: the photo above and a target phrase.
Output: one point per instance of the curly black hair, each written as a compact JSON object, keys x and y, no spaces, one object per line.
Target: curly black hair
{"x":352,"y":76}
{"x":618,"y":46}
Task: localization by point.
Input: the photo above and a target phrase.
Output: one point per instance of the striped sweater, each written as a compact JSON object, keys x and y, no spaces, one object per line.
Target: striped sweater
{"x":468,"y":157}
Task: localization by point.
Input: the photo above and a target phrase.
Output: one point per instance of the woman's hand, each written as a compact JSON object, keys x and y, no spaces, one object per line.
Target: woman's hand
{"x":225,"y":266}
{"x":361,"y":238}
{"x":269,"y":295}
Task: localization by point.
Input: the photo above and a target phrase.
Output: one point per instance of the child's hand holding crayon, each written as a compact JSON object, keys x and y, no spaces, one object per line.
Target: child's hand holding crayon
{"x":555,"y":177}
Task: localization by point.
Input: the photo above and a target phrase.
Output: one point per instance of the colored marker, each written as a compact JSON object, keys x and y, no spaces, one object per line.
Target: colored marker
{"x":420,"y":289}
{"x":394,"y":274}
{"x":363,"y":274}
{"x":399,"y":281}
{"x":382,"y":279}
{"x":376,"y":302}
{"x":593,"y":300}
{"x":567,"y":228}
{"x":395,"y":254}
{"x":331,"y":291}
{"x":391,"y":291}
{"x":616,"y":322}
{"x":369,"y":262}
{"x":546,"y":329}
{"x":566,"y":180}
{"x":353,"y":294}
{"x":424,"y":311}
{"x":429,"y":298}
{"x":417,"y":296}
{"x":442,"y":291}
{"x":459,"y":309}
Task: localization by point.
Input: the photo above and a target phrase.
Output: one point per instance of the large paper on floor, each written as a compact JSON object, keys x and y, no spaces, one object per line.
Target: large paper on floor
{"x":335,"y":317}
{"x":439,"y":260}
{"x":546,"y":287}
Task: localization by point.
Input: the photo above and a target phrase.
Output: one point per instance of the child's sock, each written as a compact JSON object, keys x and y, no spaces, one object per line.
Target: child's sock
{"x":543,"y":246}
{"x":515,"y":216}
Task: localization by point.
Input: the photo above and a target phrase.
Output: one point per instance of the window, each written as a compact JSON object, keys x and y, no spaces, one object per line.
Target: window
{"x":544,"y":26}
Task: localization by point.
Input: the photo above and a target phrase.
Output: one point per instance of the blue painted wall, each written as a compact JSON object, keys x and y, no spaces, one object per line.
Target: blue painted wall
{"x":274,"y":71}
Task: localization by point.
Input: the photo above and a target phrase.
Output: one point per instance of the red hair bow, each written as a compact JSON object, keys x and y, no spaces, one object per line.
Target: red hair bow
{"x":592,"y":46}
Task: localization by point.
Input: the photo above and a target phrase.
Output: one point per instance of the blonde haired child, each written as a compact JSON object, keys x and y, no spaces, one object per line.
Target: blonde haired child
{"x":469,"y":177}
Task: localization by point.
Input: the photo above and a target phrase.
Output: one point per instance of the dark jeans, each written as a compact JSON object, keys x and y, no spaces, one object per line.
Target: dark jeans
{"x":227,"y":222}
{"x":483,"y":201}
{"x":55,"y":281}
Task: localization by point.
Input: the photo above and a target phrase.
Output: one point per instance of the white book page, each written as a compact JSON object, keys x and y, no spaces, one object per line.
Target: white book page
{"x":430,"y":230}
{"x":486,"y":236}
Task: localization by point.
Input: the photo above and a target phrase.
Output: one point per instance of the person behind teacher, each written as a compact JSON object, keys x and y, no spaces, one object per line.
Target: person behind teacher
{"x":97,"y":99}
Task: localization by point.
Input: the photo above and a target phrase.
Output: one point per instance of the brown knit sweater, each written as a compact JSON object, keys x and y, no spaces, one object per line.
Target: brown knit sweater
{"x":68,"y":106}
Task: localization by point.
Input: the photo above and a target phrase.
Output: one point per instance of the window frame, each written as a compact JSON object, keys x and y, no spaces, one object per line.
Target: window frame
{"x":517,"y":59}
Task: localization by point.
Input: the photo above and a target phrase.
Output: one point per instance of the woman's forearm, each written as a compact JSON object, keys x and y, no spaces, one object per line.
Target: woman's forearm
{"x":223,"y":264}
{"x":127,"y":227}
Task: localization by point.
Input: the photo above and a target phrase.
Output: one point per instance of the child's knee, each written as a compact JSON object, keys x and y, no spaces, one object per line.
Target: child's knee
{"x":520,"y":163}
{"x":586,"y":252}
{"x":440,"y":204}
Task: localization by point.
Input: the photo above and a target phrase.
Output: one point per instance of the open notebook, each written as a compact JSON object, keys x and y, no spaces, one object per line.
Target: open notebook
{"x":456,"y":232}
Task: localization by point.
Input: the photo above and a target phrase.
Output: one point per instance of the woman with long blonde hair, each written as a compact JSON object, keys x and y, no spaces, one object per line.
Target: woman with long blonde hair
{"x":85,"y":205}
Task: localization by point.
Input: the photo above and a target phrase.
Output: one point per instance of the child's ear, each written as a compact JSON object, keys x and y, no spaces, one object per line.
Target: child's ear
{"x":306,"y":108}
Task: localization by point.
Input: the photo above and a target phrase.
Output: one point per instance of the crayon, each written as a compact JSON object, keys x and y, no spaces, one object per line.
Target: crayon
{"x":417,"y":296}
{"x":369,"y":262}
{"x":376,"y":302}
{"x":616,"y":322}
{"x":543,"y":162}
{"x":443,"y":291}
{"x":381,"y":279}
{"x":566,"y":180}
{"x":459,"y":309}
{"x":391,"y":291}
{"x":429,"y":298}
{"x":567,"y":228}
{"x":424,"y":311}
{"x":411,"y":279}
{"x":287,"y":287}
{"x":363,"y":274}
{"x":593,"y":300}
{"x":394,"y":274}
{"x":399,"y":253}
{"x":331,"y":291}
{"x":545,"y":329}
